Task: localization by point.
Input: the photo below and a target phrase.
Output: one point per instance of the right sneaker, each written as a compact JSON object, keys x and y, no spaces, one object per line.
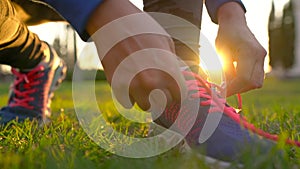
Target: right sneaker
{"x":232,"y":137}
{"x":32,"y":90}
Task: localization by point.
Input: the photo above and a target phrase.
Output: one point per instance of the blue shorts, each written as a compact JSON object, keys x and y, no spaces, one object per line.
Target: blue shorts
{"x":76,"y":12}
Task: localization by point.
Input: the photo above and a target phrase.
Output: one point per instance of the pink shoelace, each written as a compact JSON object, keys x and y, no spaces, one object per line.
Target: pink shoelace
{"x":218,"y":104}
{"x":23,"y":96}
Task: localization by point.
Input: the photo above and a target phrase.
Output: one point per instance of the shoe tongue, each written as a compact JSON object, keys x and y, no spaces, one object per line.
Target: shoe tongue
{"x":24,"y":70}
{"x":185,"y":68}
{"x":193,"y":68}
{"x":45,"y":64}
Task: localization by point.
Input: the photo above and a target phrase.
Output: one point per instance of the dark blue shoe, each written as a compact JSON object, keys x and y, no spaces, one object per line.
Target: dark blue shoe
{"x":229,"y":139}
{"x":32,"y":90}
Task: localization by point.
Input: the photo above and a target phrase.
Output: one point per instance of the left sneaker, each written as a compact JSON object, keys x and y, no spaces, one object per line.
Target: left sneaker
{"x":32,"y":90}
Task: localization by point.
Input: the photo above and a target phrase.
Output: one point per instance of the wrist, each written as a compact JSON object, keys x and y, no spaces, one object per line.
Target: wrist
{"x":230,"y":13}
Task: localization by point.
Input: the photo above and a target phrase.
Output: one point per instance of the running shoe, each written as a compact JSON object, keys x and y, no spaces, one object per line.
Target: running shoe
{"x":219,"y":132}
{"x":32,"y":90}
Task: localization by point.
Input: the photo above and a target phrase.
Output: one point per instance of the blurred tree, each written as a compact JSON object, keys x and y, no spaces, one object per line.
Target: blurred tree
{"x":282,"y":38}
{"x":64,"y":47}
{"x":275,"y":38}
{"x":288,"y":29}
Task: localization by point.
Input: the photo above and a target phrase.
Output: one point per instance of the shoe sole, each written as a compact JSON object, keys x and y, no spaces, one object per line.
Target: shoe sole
{"x":183,"y":147}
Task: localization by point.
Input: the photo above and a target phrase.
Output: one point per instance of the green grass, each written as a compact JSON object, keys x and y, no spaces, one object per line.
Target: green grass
{"x":64,"y":144}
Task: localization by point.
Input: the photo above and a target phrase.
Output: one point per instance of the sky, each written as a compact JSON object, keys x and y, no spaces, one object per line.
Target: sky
{"x":257,"y":18}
